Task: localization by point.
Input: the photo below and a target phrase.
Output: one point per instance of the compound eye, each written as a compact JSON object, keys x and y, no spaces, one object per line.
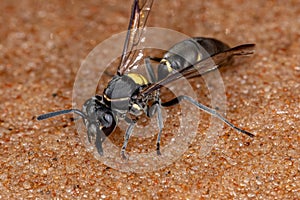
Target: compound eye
{"x":109,"y":124}
{"x":108,"y":118}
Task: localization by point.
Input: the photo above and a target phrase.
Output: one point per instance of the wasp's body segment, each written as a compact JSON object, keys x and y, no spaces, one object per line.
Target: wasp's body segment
{"x":188,"y":52}
{"x":128,"y":95}
{"x":118,"y":93}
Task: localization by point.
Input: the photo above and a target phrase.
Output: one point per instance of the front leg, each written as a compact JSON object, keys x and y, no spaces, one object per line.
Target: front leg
{"x":127,"y":135}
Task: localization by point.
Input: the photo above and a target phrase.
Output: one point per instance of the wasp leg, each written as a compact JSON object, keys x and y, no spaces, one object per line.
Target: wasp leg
{"x":149,"y":70}
{"x":100,"y":137}
{"x":156,"y":108}
{"x":127,"y":136}
{"x":160,"y":126}
{"x":95,"y":136}
{"x":206,"y":109}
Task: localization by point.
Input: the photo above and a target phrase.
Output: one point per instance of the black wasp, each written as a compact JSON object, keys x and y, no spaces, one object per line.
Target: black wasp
{"x":129,"y":94}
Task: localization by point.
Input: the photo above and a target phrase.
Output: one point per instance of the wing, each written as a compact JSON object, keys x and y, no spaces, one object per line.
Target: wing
{"x":139,"y":14}
{"x":202,"y":67}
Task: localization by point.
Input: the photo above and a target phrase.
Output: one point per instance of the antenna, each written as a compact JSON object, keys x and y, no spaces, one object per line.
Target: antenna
{"x":61,"y":112}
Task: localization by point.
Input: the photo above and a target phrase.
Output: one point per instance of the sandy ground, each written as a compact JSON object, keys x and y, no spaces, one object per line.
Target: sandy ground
{"x":42,"y":45}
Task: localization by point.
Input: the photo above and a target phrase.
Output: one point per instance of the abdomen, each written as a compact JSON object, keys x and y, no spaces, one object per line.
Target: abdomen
{"x":188,"y":52}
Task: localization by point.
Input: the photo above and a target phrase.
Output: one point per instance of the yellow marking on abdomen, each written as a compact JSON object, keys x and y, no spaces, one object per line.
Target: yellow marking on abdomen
{"x":199,"y":57}
{"x":168,"y":64}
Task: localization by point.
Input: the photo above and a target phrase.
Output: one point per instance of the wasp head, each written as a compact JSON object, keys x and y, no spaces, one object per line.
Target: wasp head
{"x":98,"y":118}
{"x":100,"y":121}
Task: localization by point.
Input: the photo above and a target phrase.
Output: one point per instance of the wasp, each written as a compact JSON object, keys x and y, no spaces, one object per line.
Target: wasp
{"x":129,"y":95}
